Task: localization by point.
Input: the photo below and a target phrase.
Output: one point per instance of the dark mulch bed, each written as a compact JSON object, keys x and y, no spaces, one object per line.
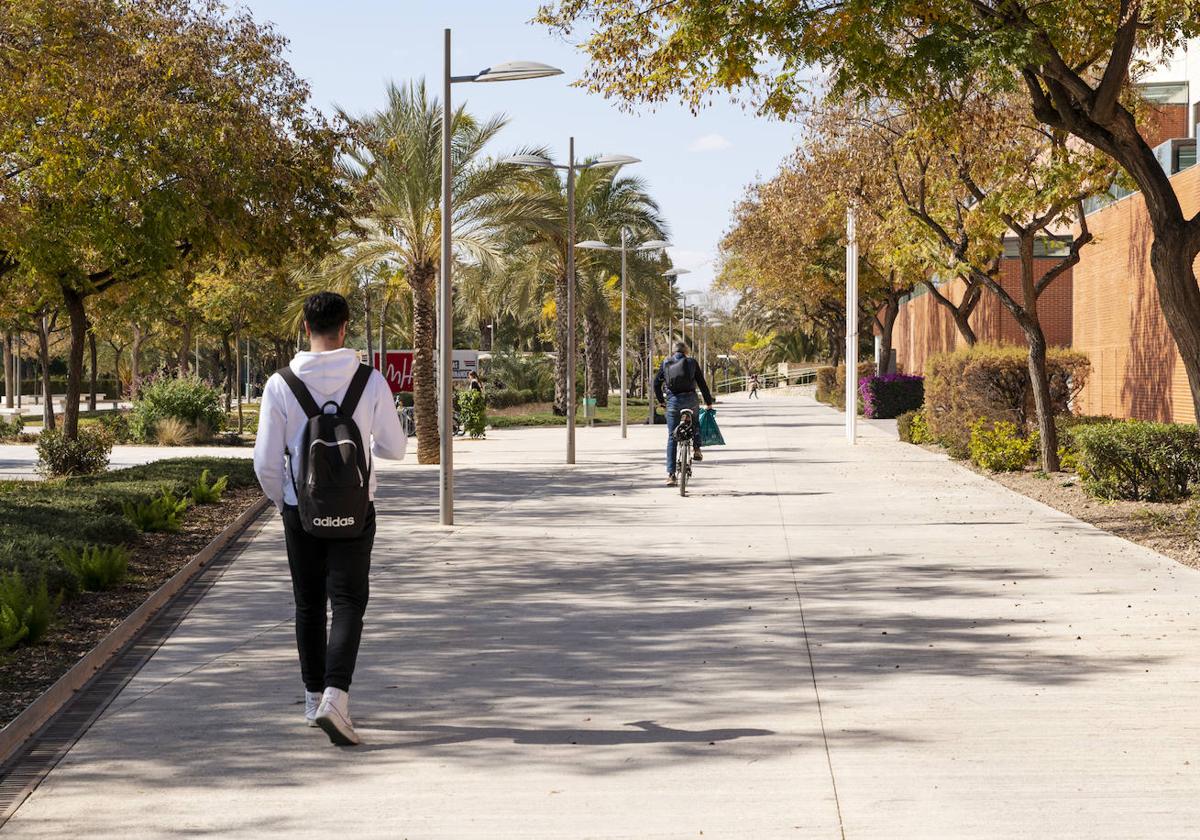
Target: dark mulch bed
{"x":83,"y":621}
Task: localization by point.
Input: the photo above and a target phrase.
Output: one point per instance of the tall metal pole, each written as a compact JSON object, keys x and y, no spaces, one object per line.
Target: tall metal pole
{"x":571,"y":301}
{"x":650,"y":372}
{"x":851,"y":327}
{"x":624,"y":359}
{"x":445,"y":321}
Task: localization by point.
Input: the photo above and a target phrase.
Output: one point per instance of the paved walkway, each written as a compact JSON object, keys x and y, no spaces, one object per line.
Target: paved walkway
{"x":19,"y":460}
{"x":821,"y":642}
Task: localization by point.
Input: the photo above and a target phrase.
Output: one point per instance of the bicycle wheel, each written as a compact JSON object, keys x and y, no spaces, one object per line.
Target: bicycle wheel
{"x":684,"y":466}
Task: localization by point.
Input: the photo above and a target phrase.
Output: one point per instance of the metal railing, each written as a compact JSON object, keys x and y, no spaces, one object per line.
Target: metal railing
{"x":803,"y":376}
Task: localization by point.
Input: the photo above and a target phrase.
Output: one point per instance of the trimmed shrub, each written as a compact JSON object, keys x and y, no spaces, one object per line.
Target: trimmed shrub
{"x":891,"y":395}
{"x":473,"y":410}
{"x":204,"y":493}
{"x":835,"y":394}
{"x":189,"y":399}
{"x":11,"y":427}
{"x":999,"y":447}
{"x":1137,"y":460}
{"x":97,"y":567}
{"x":159,"y":514}
{"x":31,"y":607}
{"x":826,"y":383}
{"x":116,"y":425}
{"x":508,"y":397}
{"x":991,"y":382}
{"x":86,"y":455}
{"x":912,"y":428}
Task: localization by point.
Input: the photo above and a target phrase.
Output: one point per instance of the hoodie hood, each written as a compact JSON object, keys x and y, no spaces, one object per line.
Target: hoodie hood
{"x":326,"y":373}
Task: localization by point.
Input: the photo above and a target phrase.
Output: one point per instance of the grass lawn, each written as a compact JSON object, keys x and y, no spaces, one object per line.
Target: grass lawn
{"x":541,"y":414}
{"x":36,"y":517}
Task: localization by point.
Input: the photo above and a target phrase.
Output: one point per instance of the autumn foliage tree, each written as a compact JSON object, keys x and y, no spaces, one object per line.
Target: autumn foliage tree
{"x":137,"y":134}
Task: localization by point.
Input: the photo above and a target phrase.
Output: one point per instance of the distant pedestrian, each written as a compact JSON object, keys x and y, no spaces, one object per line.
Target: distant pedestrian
{"x":316,"y":466}
{"x":474,"y":383}
{"x":754,"y":387}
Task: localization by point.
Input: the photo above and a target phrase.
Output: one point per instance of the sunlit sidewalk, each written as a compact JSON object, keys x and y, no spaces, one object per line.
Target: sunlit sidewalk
{"x":822,"y":641}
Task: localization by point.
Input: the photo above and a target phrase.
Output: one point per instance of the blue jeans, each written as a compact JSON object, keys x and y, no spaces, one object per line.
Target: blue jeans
{"x":676,"y":404}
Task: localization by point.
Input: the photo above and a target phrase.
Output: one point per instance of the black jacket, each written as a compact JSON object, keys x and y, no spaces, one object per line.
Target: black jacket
{"x":697,"y":375}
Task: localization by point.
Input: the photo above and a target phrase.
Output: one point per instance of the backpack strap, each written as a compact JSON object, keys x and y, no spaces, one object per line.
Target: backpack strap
{"x":300,"y":391}
{"x":354,"y":391}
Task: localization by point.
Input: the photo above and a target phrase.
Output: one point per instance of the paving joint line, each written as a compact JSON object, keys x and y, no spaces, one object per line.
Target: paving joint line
{"x":812,"y":668}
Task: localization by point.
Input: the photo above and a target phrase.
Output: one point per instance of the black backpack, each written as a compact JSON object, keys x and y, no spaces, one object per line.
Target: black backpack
{"x":678,"y":376}
{"x":333,"y":492}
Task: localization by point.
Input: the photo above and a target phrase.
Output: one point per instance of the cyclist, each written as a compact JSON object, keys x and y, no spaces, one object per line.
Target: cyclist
{"x":679,"y":377}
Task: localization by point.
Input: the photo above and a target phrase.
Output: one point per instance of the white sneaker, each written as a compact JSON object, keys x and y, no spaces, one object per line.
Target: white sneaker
{"x":312,"y":701}
{"x":333,"y":716}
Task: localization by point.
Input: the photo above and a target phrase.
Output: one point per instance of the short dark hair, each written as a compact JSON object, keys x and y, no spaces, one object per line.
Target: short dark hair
{"x":325,"y":312}
{"x":681,"y":347}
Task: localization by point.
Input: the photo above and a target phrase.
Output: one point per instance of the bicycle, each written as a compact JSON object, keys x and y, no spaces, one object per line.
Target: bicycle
{"x":408,"y":419}
{"x":684,"y":436}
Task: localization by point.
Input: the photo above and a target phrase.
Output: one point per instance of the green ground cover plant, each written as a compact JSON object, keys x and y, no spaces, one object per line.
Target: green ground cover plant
{"x":205,"y":493}
{"x":998,"y":446}
{"x":96,"y":567}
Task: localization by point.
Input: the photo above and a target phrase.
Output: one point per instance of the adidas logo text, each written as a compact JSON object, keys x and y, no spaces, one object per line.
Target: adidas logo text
{"x":333,"y":521}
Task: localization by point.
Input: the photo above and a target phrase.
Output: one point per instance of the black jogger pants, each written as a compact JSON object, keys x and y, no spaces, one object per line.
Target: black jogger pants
{"x":335,"y":571}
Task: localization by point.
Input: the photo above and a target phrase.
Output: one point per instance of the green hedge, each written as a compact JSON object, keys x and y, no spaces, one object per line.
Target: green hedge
{"x":508,"y":397}
{"x":1138,"y":460}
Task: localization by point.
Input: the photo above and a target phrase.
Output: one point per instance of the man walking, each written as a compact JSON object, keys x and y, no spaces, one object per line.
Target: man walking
{"x":327,"y":564}
{"x":753,"y":387}
{"x":680,"y":376}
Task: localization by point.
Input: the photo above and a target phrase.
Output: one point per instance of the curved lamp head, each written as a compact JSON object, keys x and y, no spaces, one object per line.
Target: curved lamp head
{"x":611,"y":161}
{"x":595,"y":245}
{"x":530,"y":160}
{"x":654,"y":245}
{"x":511,"y":71}
{"x":675,"y":272}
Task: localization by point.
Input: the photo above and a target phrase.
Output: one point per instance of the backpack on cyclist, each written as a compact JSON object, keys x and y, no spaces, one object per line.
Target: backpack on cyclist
{"x":333,"y":492}
{"x":678,"y":376}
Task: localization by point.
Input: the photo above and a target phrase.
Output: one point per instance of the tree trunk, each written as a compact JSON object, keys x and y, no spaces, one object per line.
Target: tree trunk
{"x":961,"y":312}
{"x":237,"y":376}
{"x":891,"y":311}
{"x":228,"y":352}
{"x":561,"y":343}
{"x":135,"y":362}
{"x":425,"y":392}
{"x":185,"y":345}
{"x":1039,"y":377}
{"x":383,"y":313}
{"x":44,"y":360}
{"x":595,"y":342}
{"x":9,"y":367}
{"x":1172,"y":259}
{"x":93,"y":374}
{"x":369,"y":331}
{"x":78,"y":325}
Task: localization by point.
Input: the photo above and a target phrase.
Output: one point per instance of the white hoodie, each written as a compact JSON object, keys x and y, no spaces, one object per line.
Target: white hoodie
{"x":281,"y":420}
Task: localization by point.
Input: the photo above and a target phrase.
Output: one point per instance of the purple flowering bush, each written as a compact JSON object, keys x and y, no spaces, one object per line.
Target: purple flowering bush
{"x":891,"y":395}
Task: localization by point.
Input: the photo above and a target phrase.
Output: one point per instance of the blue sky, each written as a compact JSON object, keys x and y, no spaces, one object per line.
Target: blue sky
{"x":696,"y":166}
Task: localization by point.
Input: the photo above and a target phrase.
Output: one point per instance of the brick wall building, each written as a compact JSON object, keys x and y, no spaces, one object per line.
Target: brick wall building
{"x":925,"y":327}
{"x":1136,"y":368}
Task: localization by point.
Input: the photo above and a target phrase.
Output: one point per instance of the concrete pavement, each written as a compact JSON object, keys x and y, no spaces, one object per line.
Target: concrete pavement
{"x":821,"y":642}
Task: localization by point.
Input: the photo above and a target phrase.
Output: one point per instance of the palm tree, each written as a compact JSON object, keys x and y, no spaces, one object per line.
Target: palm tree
{"x":605,"y":201}
{"x":396,"y":172}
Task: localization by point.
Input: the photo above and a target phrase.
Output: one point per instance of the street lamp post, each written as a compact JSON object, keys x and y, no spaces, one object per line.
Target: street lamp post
{"x":851,"y":327}
{"x":652,"y":245}
{"x":540,"y":162}
{"x":505,"y":72}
